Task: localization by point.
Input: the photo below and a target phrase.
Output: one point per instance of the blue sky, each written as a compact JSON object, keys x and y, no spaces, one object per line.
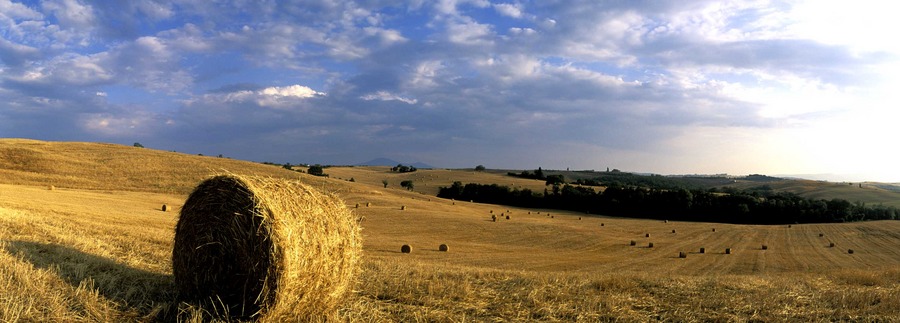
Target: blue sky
{"x":671,"y":87}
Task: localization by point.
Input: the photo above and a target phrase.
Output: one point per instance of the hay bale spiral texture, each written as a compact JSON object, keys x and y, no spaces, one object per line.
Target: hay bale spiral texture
{"x":262,"y":247}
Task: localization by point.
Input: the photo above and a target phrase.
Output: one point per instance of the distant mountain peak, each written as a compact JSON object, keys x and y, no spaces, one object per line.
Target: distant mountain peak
{"x":390,"y":162}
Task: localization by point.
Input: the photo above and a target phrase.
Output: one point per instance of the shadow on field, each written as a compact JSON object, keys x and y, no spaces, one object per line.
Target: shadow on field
{"x":128,"y":287}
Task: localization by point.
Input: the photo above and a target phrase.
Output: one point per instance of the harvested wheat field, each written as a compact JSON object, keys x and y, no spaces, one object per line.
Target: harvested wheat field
{"x":88,"y":251}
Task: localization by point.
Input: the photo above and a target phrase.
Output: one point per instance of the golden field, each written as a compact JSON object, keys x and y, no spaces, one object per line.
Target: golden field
{"x":96,"y":246}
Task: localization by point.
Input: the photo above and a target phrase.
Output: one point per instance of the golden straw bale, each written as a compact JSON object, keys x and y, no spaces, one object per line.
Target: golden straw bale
{"x":265,"y":248}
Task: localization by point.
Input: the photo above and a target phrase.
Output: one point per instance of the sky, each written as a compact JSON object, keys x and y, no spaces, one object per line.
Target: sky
{"x":667,"y":87}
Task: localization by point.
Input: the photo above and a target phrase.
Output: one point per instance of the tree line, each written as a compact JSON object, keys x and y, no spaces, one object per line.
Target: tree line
{"x":744,"y":207}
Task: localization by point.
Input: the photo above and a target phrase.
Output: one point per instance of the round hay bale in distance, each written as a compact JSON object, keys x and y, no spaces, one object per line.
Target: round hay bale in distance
{"x":164,"y":208}
{"x":682,"y":254}
{"x":633,"y":243}
{"x":650,"y":245}
{"x":262,"y":247}
{"x":673,"y":230}
{"x":765,"y":247}
{"x":821,"y":234}
{"x":850,"y":251}
{"x":647,"y":235}
{"x":444,"y":247}
{"x":406,"y":248}
{"x":831,"y":245}
{"x":507,"y":217}
{"x":727,"y":251}
{"x":702,"y":250}
{"x":714,"y":229}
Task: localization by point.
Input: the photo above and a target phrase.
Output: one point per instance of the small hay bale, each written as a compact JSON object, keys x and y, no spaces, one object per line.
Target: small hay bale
{"x":406,"y":248}
{"x":164,"y":208}
{"x":494,"y":217}
{"x":702,"y":250}
{"x":529,"y":212}
{"x":831,"y":245}
{"x":727,"y":251}
{"x":552,"y":217}
{"x":665,"y":221}
{"x":357,"y":205}
{"x":821,"y":234}
{"x":51,"y":188}
{"x":850,"y":251}
{"x":673,"y":230}
{"x":765,"y":247}
{"x":714,"y":229}
{"x":402,"y":207}
{"x":256,"y":247}
{"x":602,"y":224}
{"x":579,"y":218}
{"x":507,"y":217}
{"x":647,"y":235}
{"x":682,"y":254}
{"x":368,"y":204}
{"x":492,"y":211}
{"x":650,"y":245}
{"x":789,"y":226}
{"x":633,"y":243}
{"x":444,"y":247}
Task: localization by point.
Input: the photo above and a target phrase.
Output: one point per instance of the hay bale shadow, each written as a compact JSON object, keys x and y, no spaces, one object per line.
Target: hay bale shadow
{"x":151,"y":294}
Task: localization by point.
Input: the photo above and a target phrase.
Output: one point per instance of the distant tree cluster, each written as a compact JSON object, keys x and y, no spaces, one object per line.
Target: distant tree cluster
{"x":408,"y":184}
{"x":749,"y":207}
{"x":316,"y":170}
{"x":537,"y":174}
{"x":400,"y":168}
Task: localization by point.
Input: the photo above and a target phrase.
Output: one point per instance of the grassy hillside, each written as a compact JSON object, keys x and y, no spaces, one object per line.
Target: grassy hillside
{"x":80,"y":254}
{"x":114,"y":167}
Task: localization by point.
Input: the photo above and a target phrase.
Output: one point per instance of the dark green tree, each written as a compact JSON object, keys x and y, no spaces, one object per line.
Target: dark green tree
{"x":137,"y":144}
{"x":316,"y":170}
{"x":555,"y":180}
{"x":385,"y":182}
{"x":408,"y":184}
{"x":479,"y":168}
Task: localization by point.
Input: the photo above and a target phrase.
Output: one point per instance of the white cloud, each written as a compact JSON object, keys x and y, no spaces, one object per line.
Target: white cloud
{"x":509,"y":10}
{"x":71,"y":13}
{"x":387,"y":96}
{"x":297,"y":91}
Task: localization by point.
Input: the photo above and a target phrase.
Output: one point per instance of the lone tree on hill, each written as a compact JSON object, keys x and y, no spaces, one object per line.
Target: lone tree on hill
{"x":317,"y":170}
{"x":408,"y":184}
{"x":385,"y":182}
{"x":137,"y":144}
{"x":479,"y":168}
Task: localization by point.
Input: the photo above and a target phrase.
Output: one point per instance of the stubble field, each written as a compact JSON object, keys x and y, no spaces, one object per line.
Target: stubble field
{"x":80,"y":252}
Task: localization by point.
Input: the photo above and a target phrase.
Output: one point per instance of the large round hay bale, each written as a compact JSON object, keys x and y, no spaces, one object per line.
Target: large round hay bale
{"x":444,"y":247}
{"x":265,"y":247}
{"x":406,"y":248}
{"x":702,"y":250}
{"x":165,"y":208}
{"x":727,"y":251}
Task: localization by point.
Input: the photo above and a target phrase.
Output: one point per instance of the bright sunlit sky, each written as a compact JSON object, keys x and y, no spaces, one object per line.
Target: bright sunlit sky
{"x":669,"y":87}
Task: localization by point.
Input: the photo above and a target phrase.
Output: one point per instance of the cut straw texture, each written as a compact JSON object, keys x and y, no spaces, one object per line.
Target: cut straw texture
{"x":265,"y":248}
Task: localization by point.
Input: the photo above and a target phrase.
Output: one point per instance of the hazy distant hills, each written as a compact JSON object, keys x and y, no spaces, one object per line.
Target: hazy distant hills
{"x":390,"y":162}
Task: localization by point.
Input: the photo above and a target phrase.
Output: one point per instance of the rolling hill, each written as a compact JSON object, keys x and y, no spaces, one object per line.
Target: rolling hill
{"x":97,"y":247}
